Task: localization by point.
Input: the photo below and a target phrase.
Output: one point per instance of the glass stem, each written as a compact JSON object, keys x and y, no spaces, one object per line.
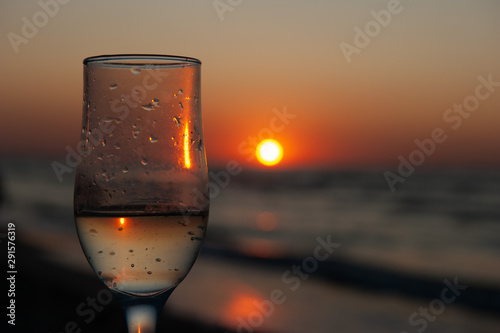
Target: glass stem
{"x":142,"y":312}
{"x":141,"y":318}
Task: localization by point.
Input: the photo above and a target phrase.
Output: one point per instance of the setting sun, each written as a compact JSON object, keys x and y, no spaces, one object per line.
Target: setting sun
{"x":269,"y":152}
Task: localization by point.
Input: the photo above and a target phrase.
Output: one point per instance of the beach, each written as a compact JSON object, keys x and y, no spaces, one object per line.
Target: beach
{"x":285,"y":252}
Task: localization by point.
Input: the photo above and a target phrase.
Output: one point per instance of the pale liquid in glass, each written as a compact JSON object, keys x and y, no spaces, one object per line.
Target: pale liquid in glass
{"x":142,"y":255}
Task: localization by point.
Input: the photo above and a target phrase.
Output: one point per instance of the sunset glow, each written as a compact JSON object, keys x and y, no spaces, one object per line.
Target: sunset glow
{"x":269,"y":152}
{"x":314,"y":110}
{"x":266,"y":221}
{"x":241,"y":305}
{"x":187,"y":158}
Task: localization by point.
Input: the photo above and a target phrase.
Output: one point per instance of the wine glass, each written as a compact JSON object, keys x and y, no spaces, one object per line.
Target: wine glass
{"x":141,"y":191}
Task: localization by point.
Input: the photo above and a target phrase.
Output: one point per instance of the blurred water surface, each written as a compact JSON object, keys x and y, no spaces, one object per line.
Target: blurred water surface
{"x":436,"y":225}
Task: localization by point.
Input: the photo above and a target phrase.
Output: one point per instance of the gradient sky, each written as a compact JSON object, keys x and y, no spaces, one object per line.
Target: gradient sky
{"x":267,"y":55}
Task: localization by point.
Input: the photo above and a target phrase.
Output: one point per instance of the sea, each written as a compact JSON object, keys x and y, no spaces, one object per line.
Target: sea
{"x":312,"y":250}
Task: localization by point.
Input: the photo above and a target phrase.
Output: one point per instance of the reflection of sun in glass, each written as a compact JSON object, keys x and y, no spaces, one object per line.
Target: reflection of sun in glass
{"x":187,"y":158}
{"x":122,"y":220}
{"x":269,"y":152}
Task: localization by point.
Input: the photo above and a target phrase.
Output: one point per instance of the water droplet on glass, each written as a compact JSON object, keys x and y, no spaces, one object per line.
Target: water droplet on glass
{"x":105,"y":176}
{"x":200,"y":145}
{"x":177,"y":121}
{"x":144,"y":162}
{"x":130,"y":250}
{"x":99,"y":273}
{"x":125,"y":170}
{"x":117,"y":145}
{"x":112,"y":253}
{"x":152,"y":139}
{"x":99,"y":252}
{"x":135,"y":133}
{"x":113,"y":86}
{"x":181,"y":106}
{"x":176,"y":269}
{"x":158,"y":259}
{"x":155,"y":101}
{"x":190,"y":233}
{"x":180,"y":92}
{"x":148,"y":107}
{"x":93,"y":232}
{"x":104,"y":142}
{"x":132,"y":265}
{"x":135,"y":71}
{"x":120,"y":229}
{"x":149,"y":272}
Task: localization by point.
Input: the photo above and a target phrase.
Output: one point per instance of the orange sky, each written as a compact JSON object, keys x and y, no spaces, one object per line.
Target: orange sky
{"x":271,"y":56}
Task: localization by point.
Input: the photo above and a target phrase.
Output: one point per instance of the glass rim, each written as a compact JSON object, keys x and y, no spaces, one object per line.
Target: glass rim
{"x":134,"y":60}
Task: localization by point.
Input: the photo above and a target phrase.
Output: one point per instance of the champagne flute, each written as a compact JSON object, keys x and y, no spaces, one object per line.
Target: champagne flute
{"x":141,"y":191}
